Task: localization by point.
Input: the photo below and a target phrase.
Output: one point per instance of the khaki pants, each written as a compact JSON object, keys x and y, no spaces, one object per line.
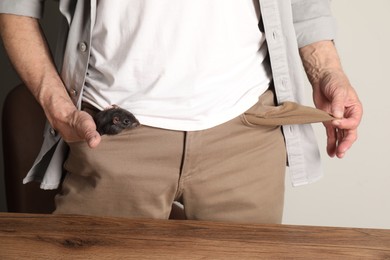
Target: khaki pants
{"x":231,"y":172}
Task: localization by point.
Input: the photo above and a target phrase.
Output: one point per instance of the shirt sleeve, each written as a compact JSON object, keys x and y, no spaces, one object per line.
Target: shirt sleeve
{"x":313,"y":21}
{"x":31,"y":8}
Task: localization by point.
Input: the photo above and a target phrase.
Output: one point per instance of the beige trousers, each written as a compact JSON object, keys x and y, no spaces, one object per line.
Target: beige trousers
{"x":232,"y":172}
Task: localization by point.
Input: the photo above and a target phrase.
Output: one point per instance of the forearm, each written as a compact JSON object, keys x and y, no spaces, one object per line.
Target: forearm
{"x":29,"y":53}
{"x":319,"y":59}
{"x":332,"y":92}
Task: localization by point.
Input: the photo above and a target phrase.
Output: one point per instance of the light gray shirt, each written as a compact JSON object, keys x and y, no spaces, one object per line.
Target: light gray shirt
{"x":288,"y":25}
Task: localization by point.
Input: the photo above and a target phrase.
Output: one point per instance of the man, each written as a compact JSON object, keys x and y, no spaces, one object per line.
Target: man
{"x":193,"y":73}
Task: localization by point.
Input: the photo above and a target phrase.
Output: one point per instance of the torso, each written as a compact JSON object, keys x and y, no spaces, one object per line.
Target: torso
{"x":177,"y":64}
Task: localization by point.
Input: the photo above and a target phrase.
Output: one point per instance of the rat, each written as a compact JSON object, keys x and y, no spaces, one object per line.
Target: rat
{"x":113,"y":120}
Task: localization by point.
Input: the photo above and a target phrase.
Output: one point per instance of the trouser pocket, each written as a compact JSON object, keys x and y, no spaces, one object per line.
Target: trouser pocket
{"x":266,"y":113}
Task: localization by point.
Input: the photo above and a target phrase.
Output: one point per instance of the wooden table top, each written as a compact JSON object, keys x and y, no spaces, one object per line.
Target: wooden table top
{"x":33,"y":236}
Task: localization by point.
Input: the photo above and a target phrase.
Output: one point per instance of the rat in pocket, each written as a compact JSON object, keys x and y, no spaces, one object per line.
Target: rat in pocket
{"x":113,"y":120}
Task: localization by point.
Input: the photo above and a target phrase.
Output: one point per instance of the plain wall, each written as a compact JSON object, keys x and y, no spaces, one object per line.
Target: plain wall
{"x":355,"y":191}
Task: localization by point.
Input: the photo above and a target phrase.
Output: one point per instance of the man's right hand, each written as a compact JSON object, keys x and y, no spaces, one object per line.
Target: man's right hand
{"x":74,"y":125}
{"x":29,"y":53}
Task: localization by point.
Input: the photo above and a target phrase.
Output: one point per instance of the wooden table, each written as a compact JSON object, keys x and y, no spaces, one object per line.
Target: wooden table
{"x":29,"y":236}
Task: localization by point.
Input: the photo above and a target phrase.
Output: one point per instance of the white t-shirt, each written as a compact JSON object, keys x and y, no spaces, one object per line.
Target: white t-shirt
{"x":177,"y":64}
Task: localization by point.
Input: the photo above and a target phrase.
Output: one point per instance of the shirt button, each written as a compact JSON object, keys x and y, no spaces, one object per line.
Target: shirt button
{"x":73,"y":92}
{"x":284,"y":82}
{"x":83,"y":46}
{"x":52,"y":132}
{"x":275,"y":35}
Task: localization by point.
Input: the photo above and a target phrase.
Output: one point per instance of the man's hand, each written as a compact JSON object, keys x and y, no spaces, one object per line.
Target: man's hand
{"x":28,"y":50}
{"x":73,"y":125}
{"x":333,"y":93}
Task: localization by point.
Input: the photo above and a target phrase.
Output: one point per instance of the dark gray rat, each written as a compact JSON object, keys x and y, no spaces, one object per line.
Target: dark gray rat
{"x":113,"y":120}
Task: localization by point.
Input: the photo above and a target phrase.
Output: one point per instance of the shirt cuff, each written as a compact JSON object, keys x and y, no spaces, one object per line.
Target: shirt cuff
{"x":313,"y":21}
{"x":320,"y":29}
{"x":31,"y":8}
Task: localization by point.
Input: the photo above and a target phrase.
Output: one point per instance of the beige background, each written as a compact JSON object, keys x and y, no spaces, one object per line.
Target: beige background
{"x":355,"y":191}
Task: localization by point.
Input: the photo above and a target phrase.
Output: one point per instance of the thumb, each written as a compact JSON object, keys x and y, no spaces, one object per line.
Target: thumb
{"x":93,"y":138}
{"x":87,"y":128}
{"x":338,"y":106}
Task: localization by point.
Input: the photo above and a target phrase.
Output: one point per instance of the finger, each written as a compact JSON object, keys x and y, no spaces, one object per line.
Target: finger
{"x":350,"y":137}
{"x":91,"y":136}
{"x":337,"y":106}
{"x":93,"y":139}
{"x":340,"y":137}
{"x":351,"y":119}
{"x":86,"y":129}
{"x":331,"y":140}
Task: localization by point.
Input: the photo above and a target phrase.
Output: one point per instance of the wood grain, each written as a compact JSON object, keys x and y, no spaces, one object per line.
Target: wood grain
{"x":30,"y":236}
